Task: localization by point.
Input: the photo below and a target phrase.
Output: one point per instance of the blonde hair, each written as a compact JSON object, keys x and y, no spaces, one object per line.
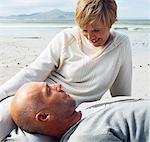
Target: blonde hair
{"x":88,"y":11}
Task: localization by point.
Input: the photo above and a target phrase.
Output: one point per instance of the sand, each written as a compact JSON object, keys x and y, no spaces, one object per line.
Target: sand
{"x":18,"y":51}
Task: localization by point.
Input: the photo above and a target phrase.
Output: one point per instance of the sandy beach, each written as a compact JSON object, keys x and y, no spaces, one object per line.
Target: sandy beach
{"x":19,"y":48}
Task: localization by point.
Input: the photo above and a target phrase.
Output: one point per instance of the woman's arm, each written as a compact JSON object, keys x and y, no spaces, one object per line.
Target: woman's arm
{"x":39,"y":70}
{"x":123,"y":82}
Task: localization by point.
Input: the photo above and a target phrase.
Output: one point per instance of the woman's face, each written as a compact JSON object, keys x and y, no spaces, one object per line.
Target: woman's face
{"x":96,"y":33}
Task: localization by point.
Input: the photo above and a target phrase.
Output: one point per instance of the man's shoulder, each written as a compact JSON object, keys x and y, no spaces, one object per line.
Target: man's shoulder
{"x":113,"y":119}
{"x":110,"y":100}
{"x":118,"y":113}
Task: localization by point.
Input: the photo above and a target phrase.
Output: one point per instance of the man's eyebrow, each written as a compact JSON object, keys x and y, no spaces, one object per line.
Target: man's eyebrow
{"x":45,"y":86}
{"x":48,"y":88}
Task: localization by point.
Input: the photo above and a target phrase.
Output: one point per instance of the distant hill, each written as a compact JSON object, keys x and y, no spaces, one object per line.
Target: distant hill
{"x":53,"y":15}
{"x":57,"y":15}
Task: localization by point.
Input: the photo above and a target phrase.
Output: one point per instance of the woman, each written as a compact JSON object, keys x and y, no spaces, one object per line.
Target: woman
{"x":86,"y":60}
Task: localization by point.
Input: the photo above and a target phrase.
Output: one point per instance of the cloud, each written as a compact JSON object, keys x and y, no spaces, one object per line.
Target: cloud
{"x":41,"y":3}
{"x":44,"y":3}
{"x":9,"y":7}
{"x":130,"y":9}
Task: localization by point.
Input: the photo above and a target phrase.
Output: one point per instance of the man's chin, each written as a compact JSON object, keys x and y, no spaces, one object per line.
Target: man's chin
{"x":74,"y":103}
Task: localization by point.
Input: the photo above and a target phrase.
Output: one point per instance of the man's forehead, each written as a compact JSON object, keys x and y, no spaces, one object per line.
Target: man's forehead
{"x":34,"y":86}
{"x":32,"y":89}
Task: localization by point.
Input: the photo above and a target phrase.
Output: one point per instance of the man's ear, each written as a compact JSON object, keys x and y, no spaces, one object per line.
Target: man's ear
{"x":43,"y":116}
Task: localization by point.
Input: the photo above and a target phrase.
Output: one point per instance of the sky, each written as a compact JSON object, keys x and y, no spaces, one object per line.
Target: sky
{"x":127,"y":9}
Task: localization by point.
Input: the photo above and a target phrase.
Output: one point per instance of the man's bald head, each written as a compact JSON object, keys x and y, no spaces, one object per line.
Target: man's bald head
{"x":25,"y":104}
{"x":42,"y":108}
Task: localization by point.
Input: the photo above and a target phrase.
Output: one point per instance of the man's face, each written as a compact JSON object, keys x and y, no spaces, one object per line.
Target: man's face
{"x":54,"y":99}
{"x":97,"y":33}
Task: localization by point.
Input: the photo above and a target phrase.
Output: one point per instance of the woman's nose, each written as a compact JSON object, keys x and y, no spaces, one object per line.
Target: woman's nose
{"x":90,"y":36}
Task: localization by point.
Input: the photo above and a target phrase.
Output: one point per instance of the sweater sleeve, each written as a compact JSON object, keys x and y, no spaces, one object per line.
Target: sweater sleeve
{"x":123,"y":82}
{"x":39,"y":70}
{"x":95,"y":138}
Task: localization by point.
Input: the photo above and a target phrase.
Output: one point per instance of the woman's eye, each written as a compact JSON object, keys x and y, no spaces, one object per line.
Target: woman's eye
{"x":85,"y":31}
{"x":96,"y":31}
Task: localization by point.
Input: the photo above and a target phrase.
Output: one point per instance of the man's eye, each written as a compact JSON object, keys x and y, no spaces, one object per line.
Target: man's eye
{"x":48,"y":90}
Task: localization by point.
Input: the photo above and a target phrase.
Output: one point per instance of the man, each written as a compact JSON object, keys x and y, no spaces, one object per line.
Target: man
{"x":40,"y":108}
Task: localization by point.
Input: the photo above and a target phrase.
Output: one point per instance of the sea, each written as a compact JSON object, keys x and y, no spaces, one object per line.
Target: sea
{"x":17,"y":28}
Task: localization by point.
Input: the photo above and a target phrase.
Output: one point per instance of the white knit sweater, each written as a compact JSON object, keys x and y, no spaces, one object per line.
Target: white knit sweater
{"x":87,"y":78}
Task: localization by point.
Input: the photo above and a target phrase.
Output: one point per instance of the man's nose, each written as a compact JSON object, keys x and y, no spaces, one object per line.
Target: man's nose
{"x":57,"y":87}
